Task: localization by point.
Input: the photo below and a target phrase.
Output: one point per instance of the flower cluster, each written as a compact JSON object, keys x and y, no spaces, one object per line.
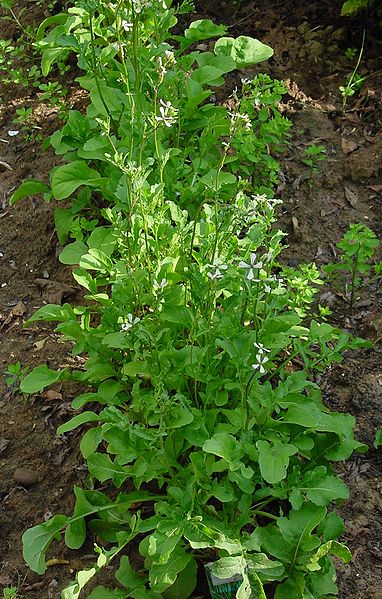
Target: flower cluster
{"x":217,"y":267}
{"x":252,"y":266}
{"x":167,"y":114}
{"x":237,"y":118}
{"x":129,"y":322}
{"x":261,"y":357}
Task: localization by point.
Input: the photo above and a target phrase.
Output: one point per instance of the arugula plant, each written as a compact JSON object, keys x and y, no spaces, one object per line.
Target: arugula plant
{"x":357,"y":264}
{"x":202,"y":416}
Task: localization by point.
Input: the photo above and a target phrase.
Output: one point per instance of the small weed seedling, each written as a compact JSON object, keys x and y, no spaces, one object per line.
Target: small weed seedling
{"x":350,"y":53}
{"x":355,"y":81}
{"x":378,"y":439}
{"x":24,"y":118}
{"x":10,"y":593}
{"x":14,"y":375}
{"x":357,"y":263}
{"x":312,"y":155}
{"x":352,"y":7}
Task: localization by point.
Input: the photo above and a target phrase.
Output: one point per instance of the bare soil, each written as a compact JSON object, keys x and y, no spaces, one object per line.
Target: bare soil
{"x":309,"y":40}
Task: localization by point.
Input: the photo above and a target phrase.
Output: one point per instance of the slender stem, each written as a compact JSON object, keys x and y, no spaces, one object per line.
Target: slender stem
{"x":350,"y":82}
{"x":94,"y":60}
{"x":266,"y":514}
{"x":354,"y":274}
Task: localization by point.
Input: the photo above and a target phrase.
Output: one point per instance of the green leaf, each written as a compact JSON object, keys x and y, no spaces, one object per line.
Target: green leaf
{"x":102,"y":468}
{"x":49,"y":56}
{"x":163,"y":575}
{"x":53,"y":312}
{"x":78,"y":421}
{"x":73,"y":252}
{"x":378,"y":438}
{"x":299,"y":525}
{"x":118,"y":340}
{"x":208,"y":75}
{"x":274,"y":459}
{"x":102,"y":238}
{"x":185,"y":583}
{"x":251,"y":587}
{"x":29,"y":188}
{"x":101,"y":592}
{"x":74,"y":589}
{"x":215,"y":179}
{"x":57,"y":19}
{"x":227,"y":567}
{"x":39,"y":378}
{"x":90,"y":441}
{"x":181,"y":315}
{"x":94,"y":149}
{"x":87,"y":502}
{"x":324,"y":488}
{"x":293,"y":588}
{"x":309,"y":415}
{"x":96,"y":260}
{"x":68,"y":177}
{"x":351,"y":7}
{"x":322,"y":582}
{"x":85,"y":279}
{"x":224,"y":446}
{"x":63,"y":220}
{"x":332,"y":527}
{"x":178,"y":417}
{"x":268,"y":569}
{"x":245,"y":51}
{"x":128,"y":578}
{"x":36,"y":541}
{"x":203,"y":29}
{"x":333,"y":547}
{"x":136,"y":368}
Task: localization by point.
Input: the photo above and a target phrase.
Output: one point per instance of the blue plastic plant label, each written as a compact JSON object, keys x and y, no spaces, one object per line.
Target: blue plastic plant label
{"x":225,"y":587}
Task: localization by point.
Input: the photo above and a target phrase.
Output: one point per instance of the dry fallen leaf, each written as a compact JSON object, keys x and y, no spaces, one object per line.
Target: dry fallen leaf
{"x":348,"y":146}
{"x":40,"y":344}
{"x":19,"y":309}
{"x":51,"y":395}
{"x":376,"y":188}
{"x":296,"y":227}
{"x":54,"y":291}
{"x":3,"y":444}
{"x":351,"y":197}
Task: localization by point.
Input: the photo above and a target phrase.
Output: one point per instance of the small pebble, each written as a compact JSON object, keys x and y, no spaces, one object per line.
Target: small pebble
{"x":26,"y":477}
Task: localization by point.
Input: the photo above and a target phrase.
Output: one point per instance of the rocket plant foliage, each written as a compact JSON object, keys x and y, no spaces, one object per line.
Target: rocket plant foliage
{"x":204,"y":423}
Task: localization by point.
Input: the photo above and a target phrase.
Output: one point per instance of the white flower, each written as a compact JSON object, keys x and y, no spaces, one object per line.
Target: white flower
{"x":170,"y":57}
{"x":162,"y":69}
{"x":268,"y":257}
{"x":159,"y":286}
{"x":130,"y":322}
{"x":218,"y":266}
{"x":236,"y":117}
{"x":251,"y":267}
{"x":167,"y":114}
{"x":261,"y":349}
{"x":127,"y":26}
{"x":246,"y":81}
{"x":261,"y":359}
{"x":267,"y":288}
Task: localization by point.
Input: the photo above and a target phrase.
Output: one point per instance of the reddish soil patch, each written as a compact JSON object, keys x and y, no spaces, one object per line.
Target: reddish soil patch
{"x":309,"y":43}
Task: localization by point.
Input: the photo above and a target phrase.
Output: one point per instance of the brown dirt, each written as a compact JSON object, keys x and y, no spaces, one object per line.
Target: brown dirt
{"x":309,"y":43}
